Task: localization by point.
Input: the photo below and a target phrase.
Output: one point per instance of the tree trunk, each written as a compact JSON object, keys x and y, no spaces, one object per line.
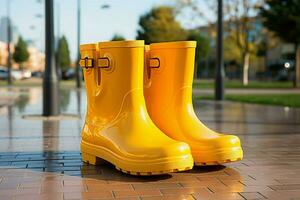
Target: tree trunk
{"x":297,"y":67}
{"x":246,"y":60}
{"x":21,"y":66}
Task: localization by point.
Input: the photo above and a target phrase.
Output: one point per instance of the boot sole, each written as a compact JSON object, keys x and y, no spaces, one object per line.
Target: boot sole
{"x":95,"y":155}
{"x":218,"y":157}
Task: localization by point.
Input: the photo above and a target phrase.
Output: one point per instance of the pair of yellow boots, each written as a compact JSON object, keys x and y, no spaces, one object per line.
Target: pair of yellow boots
{"x":140,"y":115}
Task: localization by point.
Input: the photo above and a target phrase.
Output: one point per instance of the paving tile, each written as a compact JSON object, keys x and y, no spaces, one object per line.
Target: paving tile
{"x":252,"y":195}
{"x":185,"y":191}
{"x":5,"y":197}
{"x":170,"y":197}
{"x":30,"y":184}
{"x":281,"y":195}
{"x":89,"y":181}
{"x":286,"y":187}
{"x":126,"y":198}
{"x":144,"y":186}
{"x":260,"y":182}
{"x":52,"y":196}
{"x":74,"y":182}
{"x":9,"y":185}
{"x":5,"y":163}
{"x":287,"y":181}
{"x":76,"y":188}
{"x":121,"y":187}
{"x":88,"y":195}
{"x":29,"y":191}
{"x":141,"y":193}
{"x":219,"y":196}
{"x":195,"y":184}
{"x":239,"y":188}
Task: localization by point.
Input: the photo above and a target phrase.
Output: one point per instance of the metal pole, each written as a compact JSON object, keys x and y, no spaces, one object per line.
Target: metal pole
{"x":9,"y":79}
{"x":78,"y":68}
{"x":219,"y":79}
{"x":58,"y":67}
{"x":50,"y":82}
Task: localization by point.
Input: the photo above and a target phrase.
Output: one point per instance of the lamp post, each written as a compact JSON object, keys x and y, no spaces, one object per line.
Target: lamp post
{"x":58,"y":67}
{"x":50,"y":81}
{"x":219,"y":78}
{"x":9,"y":79}
{"x":78,"y":68}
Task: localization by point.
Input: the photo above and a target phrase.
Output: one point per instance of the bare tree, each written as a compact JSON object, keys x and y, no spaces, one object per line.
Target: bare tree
{"x":240,"y":22}
{"x":196,"y":12}
{"x":239,"y":19}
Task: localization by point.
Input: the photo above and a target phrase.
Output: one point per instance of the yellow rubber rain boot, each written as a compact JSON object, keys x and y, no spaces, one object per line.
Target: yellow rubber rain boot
{"x":118,"y":128}
{"x":168,"y":94}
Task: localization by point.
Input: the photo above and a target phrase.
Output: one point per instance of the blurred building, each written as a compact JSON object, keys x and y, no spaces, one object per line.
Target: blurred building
{"x":36,"y":61}
{"x":3,"y":53}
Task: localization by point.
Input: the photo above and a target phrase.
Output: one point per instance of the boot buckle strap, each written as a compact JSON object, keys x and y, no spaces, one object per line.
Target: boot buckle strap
{"x":86,"y":63}
{"x":103,"y":62}
{"x":89,"y":62}
{"x":154,"y":62}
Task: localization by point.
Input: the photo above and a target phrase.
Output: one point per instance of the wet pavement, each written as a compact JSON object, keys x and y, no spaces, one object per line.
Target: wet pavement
{"x":40,"y":159}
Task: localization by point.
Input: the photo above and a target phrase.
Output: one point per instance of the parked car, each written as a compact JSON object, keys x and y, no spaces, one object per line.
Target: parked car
{"x":3,"y":74}
{"x":68,"y":74}
{"x":37,"y":74}
{"x":15,"y":74}
{"x":26,"y":73}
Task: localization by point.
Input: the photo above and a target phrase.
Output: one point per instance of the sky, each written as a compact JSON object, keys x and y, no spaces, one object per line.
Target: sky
{"x":96,"y":24}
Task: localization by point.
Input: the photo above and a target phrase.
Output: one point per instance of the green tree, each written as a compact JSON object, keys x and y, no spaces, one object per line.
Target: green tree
{"x":118,"y":37}
{"x":160,"y":25}
{"x":283,"y":18}
{"x":63,"y":53}
{"x":239,"y":20}
{"x":21,"y":53}
{"x":203,"y":48}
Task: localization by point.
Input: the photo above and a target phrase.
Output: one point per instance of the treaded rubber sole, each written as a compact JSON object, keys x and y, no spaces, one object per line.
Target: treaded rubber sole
{"x":154,"y":173}
{"x":225,"y":155}
{"x":217,"y":162}
{"x":89,"y":156}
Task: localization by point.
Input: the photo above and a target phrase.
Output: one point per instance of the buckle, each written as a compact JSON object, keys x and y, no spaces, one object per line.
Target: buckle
{"x":87,"y":63}
{"x":154,"y":63}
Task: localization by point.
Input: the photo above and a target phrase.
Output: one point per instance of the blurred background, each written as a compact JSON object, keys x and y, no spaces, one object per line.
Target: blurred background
{"x":260,"y":40}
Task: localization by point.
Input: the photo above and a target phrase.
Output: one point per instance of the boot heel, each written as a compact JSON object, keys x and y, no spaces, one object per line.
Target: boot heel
{"x":91,"y":159}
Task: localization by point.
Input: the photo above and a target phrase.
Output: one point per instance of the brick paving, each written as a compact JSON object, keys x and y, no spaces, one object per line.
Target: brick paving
{"x":41,"y":159}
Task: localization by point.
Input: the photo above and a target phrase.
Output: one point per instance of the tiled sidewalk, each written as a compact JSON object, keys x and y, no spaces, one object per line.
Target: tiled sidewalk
{"x":41,"y":159}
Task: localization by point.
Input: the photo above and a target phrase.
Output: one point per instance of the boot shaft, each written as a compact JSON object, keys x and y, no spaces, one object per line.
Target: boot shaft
{"x":176,"y":64}
{"x":170,"y":70}
{"x":113,"y":72}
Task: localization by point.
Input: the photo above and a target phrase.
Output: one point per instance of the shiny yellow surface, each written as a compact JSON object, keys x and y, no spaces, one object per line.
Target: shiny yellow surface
{"x":168,"y":94}
{"x":118,"y":128}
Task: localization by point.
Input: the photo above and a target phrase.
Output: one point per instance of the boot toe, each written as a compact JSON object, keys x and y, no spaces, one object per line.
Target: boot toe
{"x":222,"y":149}
{"x":175,"y":149}
{"x":227,"y":141}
